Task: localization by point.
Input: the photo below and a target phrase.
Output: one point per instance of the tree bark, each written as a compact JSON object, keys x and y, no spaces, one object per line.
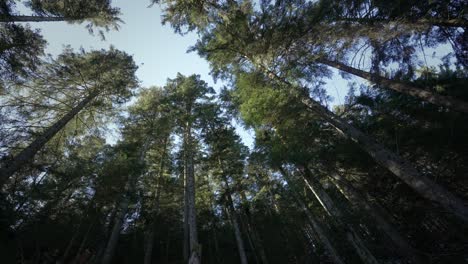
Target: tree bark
{"x":329,"y":205}
{"x":434,"y":98}
{"x":253,"y":231}
{"x":27,"y":154}
{"x":399,"y":167}
{"x":130,"y":187}
{"x":186,"y":245}
{"x":82,"y":244}
{"x":115,"y":233}
{"x":315,"y":225}
{"x":151,"y":232}
{"x":235,"y":223}
{"x":33,"y":19}
{"x":404,"y":248}
{"x":190,"y":183}
{"x":455,"y":22}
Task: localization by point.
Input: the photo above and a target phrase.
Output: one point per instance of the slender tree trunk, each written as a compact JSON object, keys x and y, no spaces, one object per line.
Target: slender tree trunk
{"x":314,"y":224}
{"x":27,"y":154}
{"x":235,"y":223}
{"x":152,"y":225}
{"x":33,"y":19}
{"x":190,"y":181}
{"x":107,"y":229}
{"x":328,"y":204}
{"x":186,"y":245}
{"x":434,"y":98}
{"x":250,"y":226}
{"x":455,"y":22}
{"x":321,"y":234}
{"x":115,"y":233}
{"x":401,"y":168}
{"x":82,"y":244}
{"x":123,"y":208}
{"x":70,"y":244}
{"x":398,"y":166}
{"x":376,"y":213}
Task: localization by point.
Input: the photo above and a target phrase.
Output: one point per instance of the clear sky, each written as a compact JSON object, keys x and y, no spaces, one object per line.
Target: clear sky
{"x":159,"y":52}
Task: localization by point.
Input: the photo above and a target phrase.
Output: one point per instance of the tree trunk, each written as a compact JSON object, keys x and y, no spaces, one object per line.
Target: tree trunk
{"x":403,"y":169}
{"x":235,"y":223}
{"x":434,"y":98}
{"x":186,"y":245}
{"x":399,"y":167}
{"x":455,"y":22}
{"x":27,"y":154}
{"x":82,"y":244}
{"x":120,"y":215}
{"x":33,"y":19}
{"x":329,"y":205}
{"x":190,"y":183}
{"x":404,"y":248}
{"x":321,"y":234}
{"x":253,"y":231}
{"x":115,"y":233}
{"x":315,"y":225}
{"x":152,"y":225}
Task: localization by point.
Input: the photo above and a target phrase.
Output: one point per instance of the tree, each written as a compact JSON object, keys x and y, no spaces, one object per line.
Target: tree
{"x":230,"y":43}
{"x":189,"y":94}
{"x":20,"y":49}
{"x":99,"y":13}
{"x":98,"y":77}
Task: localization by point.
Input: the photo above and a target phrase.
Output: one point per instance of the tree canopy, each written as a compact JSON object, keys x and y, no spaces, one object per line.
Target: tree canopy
{"x":95,"y":168}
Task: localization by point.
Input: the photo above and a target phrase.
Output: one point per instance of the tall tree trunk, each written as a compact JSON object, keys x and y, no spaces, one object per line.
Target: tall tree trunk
{"x":115,"y":233}
{"x":82,"y":244}
{"x":454,"y":22}
{"x":27,"y":154}
{"x":253,"y":231}
{"x":434,"y":98}
{"x":152,"y":225}
{"x":377,"y":214}
{"x":33,"y":19}
{"x":130,"y":187}
{"x":329,"y":205}
{"x":315,"y":225}
{"x":394,"y":163}
{"x":186,"y":245}
{"x":190,"y":182}
{"x":235,"y":223}
{"x":401,"y":168}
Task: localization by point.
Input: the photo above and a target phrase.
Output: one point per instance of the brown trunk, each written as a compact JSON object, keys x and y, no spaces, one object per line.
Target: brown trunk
{"x":27,"y":154}
{"x":186,"y":246}
{"x":455,"y":22}
{"x":130,"y":187}
{"x":394,"y":163}
{"x":115,"y":233}
{"x":250,"y":226}
{"x":399,"y":167}
{"x":33,"y":19}
{"x":329,"y":205}
{"x":434,"y":98}
{"x":190,"y":183}
{"x":82,"y":245}
{"x":235,"y":223}
{"x":152,"y":225}
{"x":315,"y":225}
{"x":377,"y":214}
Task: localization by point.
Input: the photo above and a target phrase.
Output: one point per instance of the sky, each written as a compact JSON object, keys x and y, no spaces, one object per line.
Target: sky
{"x":156,"y":49}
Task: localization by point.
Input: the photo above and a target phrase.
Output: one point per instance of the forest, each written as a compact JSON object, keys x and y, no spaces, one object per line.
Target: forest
{"x":380,"y":177}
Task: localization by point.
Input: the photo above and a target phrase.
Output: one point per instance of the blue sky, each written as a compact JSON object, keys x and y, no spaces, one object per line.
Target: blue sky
{"x":159,"y":52}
